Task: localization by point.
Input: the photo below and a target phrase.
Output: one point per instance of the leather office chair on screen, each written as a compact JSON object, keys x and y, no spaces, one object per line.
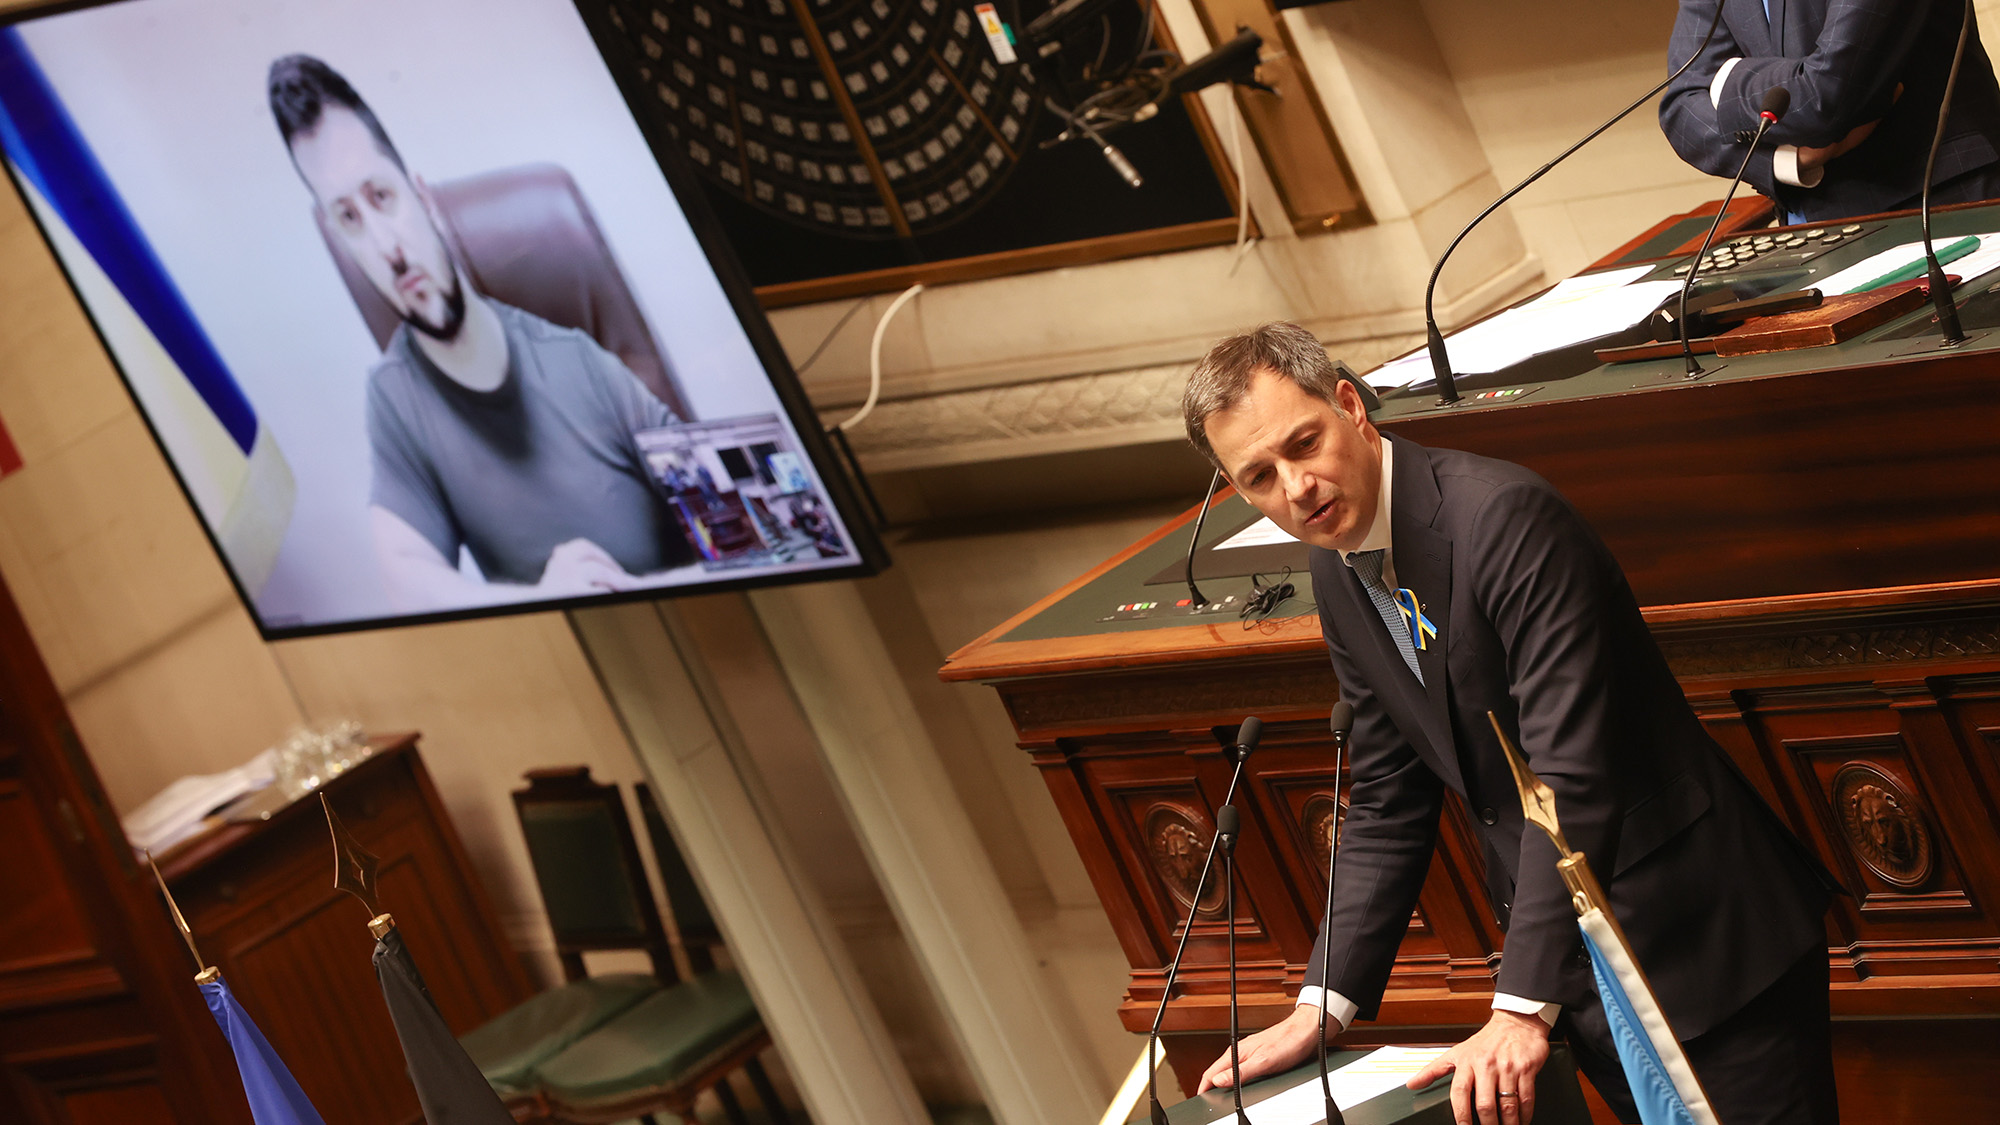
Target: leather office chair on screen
{"x":525,"y":237}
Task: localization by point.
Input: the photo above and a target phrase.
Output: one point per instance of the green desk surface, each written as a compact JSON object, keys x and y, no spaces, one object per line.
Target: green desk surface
{"x":1558,"y":1098}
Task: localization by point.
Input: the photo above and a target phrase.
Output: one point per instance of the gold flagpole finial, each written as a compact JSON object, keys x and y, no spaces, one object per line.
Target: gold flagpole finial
{"x":354,"y":870}
{"x":1538,"y":801}
{"x":207,"y":971}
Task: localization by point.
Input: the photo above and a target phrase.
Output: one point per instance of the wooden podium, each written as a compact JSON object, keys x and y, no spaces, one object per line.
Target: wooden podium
{"x":1816,"y":535}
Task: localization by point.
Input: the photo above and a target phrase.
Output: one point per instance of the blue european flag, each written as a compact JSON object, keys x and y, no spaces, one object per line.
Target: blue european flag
{"x":275,"y":1097}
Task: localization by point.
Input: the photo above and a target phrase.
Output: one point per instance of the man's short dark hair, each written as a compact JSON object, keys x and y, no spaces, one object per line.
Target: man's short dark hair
{"x":1222,"y":377}
{"x":301,"y":87}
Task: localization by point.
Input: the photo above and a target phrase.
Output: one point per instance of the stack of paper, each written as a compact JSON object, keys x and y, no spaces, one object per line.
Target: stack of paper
{"x":178,"y":811}
{"x":1577,"y":309}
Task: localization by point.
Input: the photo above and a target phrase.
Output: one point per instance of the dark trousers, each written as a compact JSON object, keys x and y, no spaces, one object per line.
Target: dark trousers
{"x":1769,"y":1064}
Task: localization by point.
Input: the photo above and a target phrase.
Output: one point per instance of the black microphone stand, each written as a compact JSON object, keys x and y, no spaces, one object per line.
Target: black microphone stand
{"x":1776,"y":101}
{"x":1341,"y":722}
{"x":1447,"y":383}
{"x":1941,"y":298}
{"x":1228,"y":823}
{"x":1246,"y":742}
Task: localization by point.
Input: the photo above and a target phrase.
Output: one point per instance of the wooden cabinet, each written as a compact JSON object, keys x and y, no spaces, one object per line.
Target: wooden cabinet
{"x":261,"y":901}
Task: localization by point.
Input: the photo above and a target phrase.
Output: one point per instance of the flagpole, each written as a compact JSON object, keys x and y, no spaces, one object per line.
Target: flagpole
{"x":207,"y":972}
{"x":1538,"y":806}
{"x":354,"y":869}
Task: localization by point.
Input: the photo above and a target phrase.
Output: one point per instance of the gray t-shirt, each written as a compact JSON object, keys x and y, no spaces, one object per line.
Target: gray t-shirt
{"x":511,"y":473}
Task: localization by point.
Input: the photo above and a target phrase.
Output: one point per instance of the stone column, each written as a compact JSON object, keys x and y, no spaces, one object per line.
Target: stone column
{"x":811,"y":998}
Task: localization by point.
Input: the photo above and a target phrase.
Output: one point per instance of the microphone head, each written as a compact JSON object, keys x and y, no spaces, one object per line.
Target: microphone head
{"x":1248,"y":734}
{"x":1342,"y":719}
{"x":1776,"y":101}
{"x":1228,"y":822}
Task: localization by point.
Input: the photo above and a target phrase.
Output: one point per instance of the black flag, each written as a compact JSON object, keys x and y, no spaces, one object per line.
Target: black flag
{"x":449,"y":1085}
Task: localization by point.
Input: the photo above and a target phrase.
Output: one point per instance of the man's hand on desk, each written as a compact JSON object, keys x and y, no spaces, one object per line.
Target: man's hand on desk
{"x":1493,"y":1073}
{"x":1275,"y":1049}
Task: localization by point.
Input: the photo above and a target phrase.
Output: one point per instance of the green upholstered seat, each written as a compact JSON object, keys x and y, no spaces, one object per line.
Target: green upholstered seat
{"x":509,"y":1047}
{"x":658,"y":1045}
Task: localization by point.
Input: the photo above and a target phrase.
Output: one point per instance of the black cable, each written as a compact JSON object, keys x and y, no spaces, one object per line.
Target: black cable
{"x":831,"y":333}
{"x":1941,"y":298}
{"x":1265,"y":598}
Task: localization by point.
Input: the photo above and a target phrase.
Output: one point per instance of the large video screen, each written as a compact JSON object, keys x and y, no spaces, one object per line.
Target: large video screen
{"x":422,"y":324}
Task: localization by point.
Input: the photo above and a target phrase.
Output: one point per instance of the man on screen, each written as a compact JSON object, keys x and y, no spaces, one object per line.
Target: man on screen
{"x":491,"y":429}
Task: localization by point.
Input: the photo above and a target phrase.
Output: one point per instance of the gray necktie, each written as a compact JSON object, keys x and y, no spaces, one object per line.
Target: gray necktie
{"x":1368,"y":567}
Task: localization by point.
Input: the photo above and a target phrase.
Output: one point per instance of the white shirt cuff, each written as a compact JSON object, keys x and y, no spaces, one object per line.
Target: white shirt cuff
{"x":1507,"y":1002}
{"x":1339,"y":1008}
{"x":1715,"y":87}
{"x":1785,"y":166}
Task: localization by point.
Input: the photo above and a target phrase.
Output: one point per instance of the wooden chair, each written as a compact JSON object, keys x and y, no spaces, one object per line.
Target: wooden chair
{"x":595,"y":894}
{"x":563,"y":1058}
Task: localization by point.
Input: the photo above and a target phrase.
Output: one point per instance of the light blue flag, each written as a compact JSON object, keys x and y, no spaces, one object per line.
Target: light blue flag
{"x":275,"y":1097}
{"x":1656,"y":1068}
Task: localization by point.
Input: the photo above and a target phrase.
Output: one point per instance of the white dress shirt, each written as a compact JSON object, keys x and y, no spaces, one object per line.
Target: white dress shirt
{"x":1339,"y":1008}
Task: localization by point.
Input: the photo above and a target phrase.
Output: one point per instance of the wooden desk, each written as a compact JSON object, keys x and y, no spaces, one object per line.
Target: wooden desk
{"x":1817,"y":537}
{"x":261,"y":902}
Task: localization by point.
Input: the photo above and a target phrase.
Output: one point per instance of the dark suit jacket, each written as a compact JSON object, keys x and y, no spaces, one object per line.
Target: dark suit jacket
{"x":1841,"y":60}
{"x":1537,"y":624}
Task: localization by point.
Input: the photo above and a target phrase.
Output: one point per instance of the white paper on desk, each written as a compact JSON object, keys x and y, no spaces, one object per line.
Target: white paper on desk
{"x":1853,"y":278}
{"x":1263,"y":533}
{"x":1576,"y":309}
{"x":1369,"y":1076}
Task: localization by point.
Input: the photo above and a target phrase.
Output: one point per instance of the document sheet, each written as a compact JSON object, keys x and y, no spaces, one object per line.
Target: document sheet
{"x":1576,"y":309}
{"x":1370,"y":1076}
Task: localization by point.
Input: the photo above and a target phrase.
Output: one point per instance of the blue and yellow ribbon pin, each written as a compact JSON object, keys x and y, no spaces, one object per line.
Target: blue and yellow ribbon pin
{"x":1420,"y":627}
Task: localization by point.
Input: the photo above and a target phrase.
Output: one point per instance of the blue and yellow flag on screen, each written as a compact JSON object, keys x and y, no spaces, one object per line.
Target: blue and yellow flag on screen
{"x":229,"y":463}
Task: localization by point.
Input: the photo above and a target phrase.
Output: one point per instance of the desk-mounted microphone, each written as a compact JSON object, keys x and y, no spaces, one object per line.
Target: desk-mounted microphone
{"x":1941,"y":298}
{"x":1447,"y":383}
{"x":1776,"y":101}
{"x":1342,"y":723}
{"x":1247,"y":736}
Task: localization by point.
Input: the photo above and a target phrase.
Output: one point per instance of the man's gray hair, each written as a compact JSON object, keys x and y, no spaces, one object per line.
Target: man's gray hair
{"x":1223,"y":376}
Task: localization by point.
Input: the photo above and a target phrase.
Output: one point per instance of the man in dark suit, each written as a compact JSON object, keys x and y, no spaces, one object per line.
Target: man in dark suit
{"x":1451,"y":585}
{"x":1866,"y":79}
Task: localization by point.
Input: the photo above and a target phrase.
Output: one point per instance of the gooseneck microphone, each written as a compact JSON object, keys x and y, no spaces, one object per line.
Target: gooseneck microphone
{"x":1342,"y":723}
{"x":1229,"y":825}
{"x":1447,"y":383}
{"x":1776,"y":101}
{"x":1247,"y":736}
{"x":1941,"y":299}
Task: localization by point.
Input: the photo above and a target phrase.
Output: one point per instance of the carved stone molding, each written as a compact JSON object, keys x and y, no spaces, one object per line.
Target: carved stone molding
{"x":1892,"y":644}
{"x":1177,"y":841}
{"x":1101,"y":409}
{"x":1884,"y":825}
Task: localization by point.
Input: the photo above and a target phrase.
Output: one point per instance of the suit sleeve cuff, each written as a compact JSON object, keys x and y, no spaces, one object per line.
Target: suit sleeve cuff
{"x":1785,"y":166}
{"x":1339,"y":1008}
{"x":1721,"y":80}
{"x":1507,"y":1002}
